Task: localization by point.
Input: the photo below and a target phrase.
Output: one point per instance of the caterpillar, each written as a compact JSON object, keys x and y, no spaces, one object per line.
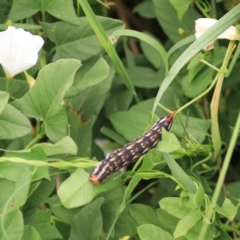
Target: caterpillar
{"x":131,"y":151}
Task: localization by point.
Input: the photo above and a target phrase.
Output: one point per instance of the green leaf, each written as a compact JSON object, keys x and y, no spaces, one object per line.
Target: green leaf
{"x":151,"y":54}
{"x":187,"y":222}
{"x":199,"y":84}
{"x":151,"y":41}
{"x":193,"y":233}
{"x":151,"y":232}
{"x":65,"y":146}
{"x":178,"y":172}
{"x":199,"y":75}
{"x":228,"y":209}
{"x":119,"y":100}
{"x":199,"y":196}
{"x":73,"y":41}
{"x":63,"y":214}
{"x":7,"y":188}
{"x":174,"y":206}
{"x":92,"y":99}
{"x":167,"y":221}
{"x":196,"y":128}
{"x":17,"y":87}
{"x":60,"y":9}
{"x":41,"y":221}
{"x":143,"y":214}
{"x":112,"y":200}
{"x":81,"y":133}
{"x":95,"y":75}
{"x":129,"y":123}
{"x":169,"y":21}
{"x":145,"y":77}
{"x":5,"y":7}
{"x":22,"y":188}
{"x":87,"y":223}
{"x":4,"y":96}
{"x":13,"y":123}
{"x":169,"y":142}
{"x":145,"y":9}
{"x":40,"y":195}
{"x":12,"y":170}
{"x":30,"y":233}
{"x":44,"y":100}
{"x":75,"y":195}
{"x":181,"y":6}
{"x":11,"y":225}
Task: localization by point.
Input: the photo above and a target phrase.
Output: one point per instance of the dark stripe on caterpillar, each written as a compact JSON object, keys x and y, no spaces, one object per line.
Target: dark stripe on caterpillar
{"x":131,"y":151}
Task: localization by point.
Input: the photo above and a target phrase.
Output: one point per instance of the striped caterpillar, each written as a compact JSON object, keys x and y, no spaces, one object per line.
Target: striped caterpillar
{"x":131,"y":151}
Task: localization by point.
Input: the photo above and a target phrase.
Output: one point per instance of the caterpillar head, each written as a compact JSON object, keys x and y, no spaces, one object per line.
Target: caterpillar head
{"x":167,"y":121}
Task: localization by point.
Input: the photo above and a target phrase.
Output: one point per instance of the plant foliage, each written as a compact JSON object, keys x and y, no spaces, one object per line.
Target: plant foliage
{"x":96,"y":79}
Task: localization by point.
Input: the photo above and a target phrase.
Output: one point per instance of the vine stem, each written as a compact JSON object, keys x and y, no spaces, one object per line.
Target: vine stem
{"x":221,"y":178}
{"x":216,"y":138}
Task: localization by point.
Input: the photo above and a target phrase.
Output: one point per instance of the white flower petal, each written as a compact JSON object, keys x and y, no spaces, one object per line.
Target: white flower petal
{"x":18,"y":50}
{"x":203,"y":24}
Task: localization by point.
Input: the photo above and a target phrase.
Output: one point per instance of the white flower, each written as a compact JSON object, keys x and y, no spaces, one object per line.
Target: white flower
{"x":18,"y":50}
{"x":203,"y":24}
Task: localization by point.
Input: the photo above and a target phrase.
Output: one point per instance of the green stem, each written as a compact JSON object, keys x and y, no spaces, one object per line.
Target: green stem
{"x":221,"y":178}
{"x":40,"y":134}
{"x":210,"y":65}
{"x":199,"y":96}
{"x":7,"y":84}
{"x":111,"y":229}
{"x":216,"y":138}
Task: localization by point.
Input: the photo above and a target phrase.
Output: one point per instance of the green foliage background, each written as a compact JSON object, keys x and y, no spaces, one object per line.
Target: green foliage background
{"x":97,"y":79}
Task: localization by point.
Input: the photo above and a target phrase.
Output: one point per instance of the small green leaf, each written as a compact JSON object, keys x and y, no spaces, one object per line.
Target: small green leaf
{"x":145,"y":9}
{"x":228,"y":209}
{"x":174,"y":206}
{"x":199,"y":196}
{"x":143,"y":214}
{"x":167,"y":221}
{"x":87,"y":223}
{"x":60,"y":9}
{"x":95,"y":75}
{"x":11,"y":225}
{"x":187,"y":222}
{"x":13,"y":123}
{"x":181,"y":6}
{"x":75,"y":195}
{"x":151,"y":54}
{"x":178,"y":172}
{"x":169,"y":142}
{"x":92,"y":99}
{"x":145,"y":77}
{"x":40,"y":194}
{"x":152,"y":232}
{"x":41,"y":220}
{"x":65,"y":146}
{"x":30,"y":233}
